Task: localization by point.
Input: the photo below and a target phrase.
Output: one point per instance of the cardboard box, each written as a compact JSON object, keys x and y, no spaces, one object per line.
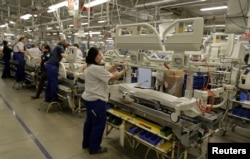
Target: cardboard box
{"x":173,"y":82}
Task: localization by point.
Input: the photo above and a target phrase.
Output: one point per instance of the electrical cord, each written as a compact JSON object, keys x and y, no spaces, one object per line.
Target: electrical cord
{"x":204,"y":108}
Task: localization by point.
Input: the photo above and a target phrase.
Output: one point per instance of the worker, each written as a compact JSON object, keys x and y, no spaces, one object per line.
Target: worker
{"x":34,"y":51}
{"x":43,"y":77}
{"x":52,"y":68}
{"x":95,"y":98}
{"x":6,"y":57}
{"x":19,"y":50}
{"x":78,"y":52}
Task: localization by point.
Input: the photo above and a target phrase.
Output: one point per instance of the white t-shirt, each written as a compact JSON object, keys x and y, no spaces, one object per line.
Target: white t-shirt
{"x":35,"y":52}
{"x":96,"y":83}
{"x":79,"y":54}
{"x":19,"y":46}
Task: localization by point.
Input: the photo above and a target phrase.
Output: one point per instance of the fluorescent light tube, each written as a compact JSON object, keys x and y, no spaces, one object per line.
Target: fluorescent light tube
{"x":58,"y":5}
{"x":2,"y":26}
{"x":97,"y":32}
{"x":213,"y":8}
{"x":26,"y":16}
{"x":218,"y":25}
{"x":95,"y":3}
{"x":101,"y":21}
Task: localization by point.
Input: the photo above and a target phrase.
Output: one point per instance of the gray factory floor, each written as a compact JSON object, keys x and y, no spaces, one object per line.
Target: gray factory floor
{"x":26,"y":133}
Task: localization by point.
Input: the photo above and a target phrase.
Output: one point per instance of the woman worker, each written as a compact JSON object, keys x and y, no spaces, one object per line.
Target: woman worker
{"x":52,"y":68}
{"x":95,"y":98}
{"x":44,"y":58}
{"x":6,"y":57}
{"x":19,"y":50}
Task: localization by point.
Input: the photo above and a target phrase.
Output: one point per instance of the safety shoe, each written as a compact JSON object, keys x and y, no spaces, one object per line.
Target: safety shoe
{"x":101,"y":150}
{"x":34,"y":97}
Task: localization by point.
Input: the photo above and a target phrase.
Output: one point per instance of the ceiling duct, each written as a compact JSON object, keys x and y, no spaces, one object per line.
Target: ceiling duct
{"x":166,"y":3}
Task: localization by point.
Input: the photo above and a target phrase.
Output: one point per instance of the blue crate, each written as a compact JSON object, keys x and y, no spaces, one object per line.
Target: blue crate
{"x":145,"y":135}
{"x":148,"y":136}
{"x":142,"y":134}
{"x":248,"y":114}
{"x":154,"y":140}
{"x":236,"y":111}
{"x":134,"y":129}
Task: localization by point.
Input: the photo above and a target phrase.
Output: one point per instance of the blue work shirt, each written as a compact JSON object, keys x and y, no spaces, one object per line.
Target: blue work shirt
{"x":44,"y":58}
{"x":55,"y":56}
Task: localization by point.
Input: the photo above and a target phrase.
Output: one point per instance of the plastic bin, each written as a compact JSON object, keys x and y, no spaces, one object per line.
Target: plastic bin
{"x":154,"y":139}
{"x":134,"y":129}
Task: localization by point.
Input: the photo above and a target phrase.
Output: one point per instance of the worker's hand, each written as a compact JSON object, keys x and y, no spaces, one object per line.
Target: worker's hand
{"x":29,"y":54}
{"x":84,"y":66}
{"x":125,"y":68}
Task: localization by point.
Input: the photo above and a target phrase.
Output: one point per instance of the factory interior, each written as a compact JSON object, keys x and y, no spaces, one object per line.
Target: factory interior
{"x":185,"y":82}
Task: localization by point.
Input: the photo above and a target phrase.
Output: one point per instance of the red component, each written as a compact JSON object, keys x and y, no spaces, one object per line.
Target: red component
{"x":84,"y":9}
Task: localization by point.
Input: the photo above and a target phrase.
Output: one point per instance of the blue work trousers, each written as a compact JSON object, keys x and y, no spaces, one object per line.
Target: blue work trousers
{"x":52,"y":82}
{"x":94,"y":124}
{"x":20,"y":70}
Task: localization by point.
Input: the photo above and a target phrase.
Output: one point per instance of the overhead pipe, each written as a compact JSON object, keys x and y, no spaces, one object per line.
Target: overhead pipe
{"x":166,"y":3}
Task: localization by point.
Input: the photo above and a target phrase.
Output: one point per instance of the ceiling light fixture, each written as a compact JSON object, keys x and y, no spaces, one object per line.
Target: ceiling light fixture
{"x":218,"y":26}
{"x":58,"y":5}
{"x":84,"y":23}
{"x":213,"y":8}
{"x":95,"y":3}
{"x":101,"y":21}
{"x":26,"y":16}
{"x":2,"y":26}
{"x":91,"y":33}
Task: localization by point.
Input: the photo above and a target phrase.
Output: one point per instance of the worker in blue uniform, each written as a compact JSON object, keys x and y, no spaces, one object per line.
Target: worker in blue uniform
{"x":6,"y":57}
{"x":52,"y":68}
{"x":43,"y":74}
{"x":19,"y":50}
{"x":95,"y":98}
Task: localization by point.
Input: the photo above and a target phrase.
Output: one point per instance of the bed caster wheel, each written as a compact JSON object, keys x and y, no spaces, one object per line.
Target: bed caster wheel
{"x":174,"y":117}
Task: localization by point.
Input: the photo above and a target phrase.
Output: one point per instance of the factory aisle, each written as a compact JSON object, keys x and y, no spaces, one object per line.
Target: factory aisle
{"x":26,"y":132}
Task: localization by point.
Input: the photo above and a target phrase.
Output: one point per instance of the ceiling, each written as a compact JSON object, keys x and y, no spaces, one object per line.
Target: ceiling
{"x":117,"y":12}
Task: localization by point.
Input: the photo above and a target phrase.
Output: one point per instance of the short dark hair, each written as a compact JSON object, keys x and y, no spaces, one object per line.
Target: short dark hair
{"x":46,"y":46}
{"x":76,"y":45}
{"x":21,"y":38}
{"x":5,"y":42}
{"x":92,"y":53}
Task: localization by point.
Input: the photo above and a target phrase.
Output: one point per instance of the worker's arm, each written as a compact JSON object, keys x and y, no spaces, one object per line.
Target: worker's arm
{"x":23,"y":51}
{"x":113,"y":68}
{"x":63,"y":55}
{"x":84,"y":66}
{"x":117,"y":75}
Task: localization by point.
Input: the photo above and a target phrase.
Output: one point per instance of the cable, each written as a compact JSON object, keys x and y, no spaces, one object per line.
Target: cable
{"x":118,"y":12}
{"x":237,"y":24}
{"x":242,"y":12}
{"x":204,"y":108}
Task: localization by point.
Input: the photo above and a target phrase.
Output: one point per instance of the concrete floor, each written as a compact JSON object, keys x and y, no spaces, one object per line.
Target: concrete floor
{"x":26,"y":133}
